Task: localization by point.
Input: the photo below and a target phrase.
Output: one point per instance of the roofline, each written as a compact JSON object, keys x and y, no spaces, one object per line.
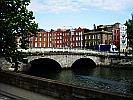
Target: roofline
{"x":98,"y":32}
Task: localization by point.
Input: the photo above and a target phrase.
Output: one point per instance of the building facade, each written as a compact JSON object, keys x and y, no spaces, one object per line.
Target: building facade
{"x":120,"y":30}
{"x":39,"y":41}
{"x":123,"y":38}
{"x":107,"y":34}
{"x":82,"y":38}
{"x":116,"y":37}
{"x":96,"y":38}
{"x":77,"y":38}
{"x":70,"y":38}
{"x":100,"y":35}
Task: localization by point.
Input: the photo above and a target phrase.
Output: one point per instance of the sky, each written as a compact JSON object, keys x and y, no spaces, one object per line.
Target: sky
{"x":54,"y":14}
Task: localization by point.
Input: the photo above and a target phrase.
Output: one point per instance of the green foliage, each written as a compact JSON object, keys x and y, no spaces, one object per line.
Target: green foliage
{"x":129,"y":25}
{"x":15,"y":22}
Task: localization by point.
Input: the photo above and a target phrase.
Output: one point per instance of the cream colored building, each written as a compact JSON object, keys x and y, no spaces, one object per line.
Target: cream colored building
{"x":97,"y":37}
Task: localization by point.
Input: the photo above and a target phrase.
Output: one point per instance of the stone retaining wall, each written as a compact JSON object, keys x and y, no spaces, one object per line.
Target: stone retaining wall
{"x":57,"y":89}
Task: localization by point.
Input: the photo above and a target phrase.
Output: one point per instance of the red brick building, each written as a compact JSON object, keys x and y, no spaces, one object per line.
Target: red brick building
{"x":40,"y":40}
{"x":116,"y":36}
{"x":71,"y":38}
{"x":77,"y":38}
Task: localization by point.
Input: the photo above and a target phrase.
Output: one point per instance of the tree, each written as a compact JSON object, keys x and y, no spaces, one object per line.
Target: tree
{"x":15,"y":22}
{"x":129,"y":25}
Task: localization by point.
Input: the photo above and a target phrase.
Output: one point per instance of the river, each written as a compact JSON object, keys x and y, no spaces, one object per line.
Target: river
{"x":109,"y":79}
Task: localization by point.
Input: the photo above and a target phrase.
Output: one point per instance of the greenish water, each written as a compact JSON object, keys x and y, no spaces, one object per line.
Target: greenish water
{"x":110,"y":79}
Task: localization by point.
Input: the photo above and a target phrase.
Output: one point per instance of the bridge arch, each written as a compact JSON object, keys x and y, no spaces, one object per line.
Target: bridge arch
{"x":42,"y":64}
{"x":83,"y":63}
{"x":68,"y":60}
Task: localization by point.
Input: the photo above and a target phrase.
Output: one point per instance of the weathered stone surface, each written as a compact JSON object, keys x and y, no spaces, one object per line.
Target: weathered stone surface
{"x":58,"y":89}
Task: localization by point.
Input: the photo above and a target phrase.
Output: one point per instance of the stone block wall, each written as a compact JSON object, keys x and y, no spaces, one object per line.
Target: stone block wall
{"x":57,"y":89}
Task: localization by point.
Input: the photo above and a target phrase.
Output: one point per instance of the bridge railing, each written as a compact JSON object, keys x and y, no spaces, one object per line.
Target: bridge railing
{"x":72,"y":50}
{"x":53,"y":49}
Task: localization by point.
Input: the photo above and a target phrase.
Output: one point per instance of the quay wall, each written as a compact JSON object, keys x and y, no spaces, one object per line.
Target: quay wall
{"x":58,"y":89}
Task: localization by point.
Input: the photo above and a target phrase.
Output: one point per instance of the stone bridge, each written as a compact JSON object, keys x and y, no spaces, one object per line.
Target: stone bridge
{"x":67,"y":60}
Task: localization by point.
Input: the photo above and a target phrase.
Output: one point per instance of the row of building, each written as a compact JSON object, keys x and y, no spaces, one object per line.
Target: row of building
{"x":82,"y":38}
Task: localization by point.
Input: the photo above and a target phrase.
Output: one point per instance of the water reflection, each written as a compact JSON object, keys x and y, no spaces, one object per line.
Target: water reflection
{"x":112,"y":79}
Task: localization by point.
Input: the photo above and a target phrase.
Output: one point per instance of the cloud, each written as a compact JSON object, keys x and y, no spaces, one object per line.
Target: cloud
{"x":59,"y":6}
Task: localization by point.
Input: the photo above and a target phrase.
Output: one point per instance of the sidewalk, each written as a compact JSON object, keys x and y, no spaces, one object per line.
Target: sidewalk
{"x":13,"y":93}
{"x":6,"y":96}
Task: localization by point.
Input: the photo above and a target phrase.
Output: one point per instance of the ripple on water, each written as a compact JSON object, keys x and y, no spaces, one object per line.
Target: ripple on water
{"x":99,"y":83}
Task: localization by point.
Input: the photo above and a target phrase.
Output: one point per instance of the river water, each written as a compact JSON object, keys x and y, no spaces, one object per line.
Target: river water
{"x":109,"y":79}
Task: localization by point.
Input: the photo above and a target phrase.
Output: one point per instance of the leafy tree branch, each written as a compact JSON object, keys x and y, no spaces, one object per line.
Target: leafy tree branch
{"x":15,"y":22}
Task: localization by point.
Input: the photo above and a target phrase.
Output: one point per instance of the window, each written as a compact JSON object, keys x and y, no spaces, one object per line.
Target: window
{"x":72,"y":33}
{"x":79,"y":33}
{"x":98,"y":36}
{"x":50,"y":45}
{"x":118,"y":37}
{"x":40,"y":39}
{"x":117,"y":31}
{"x":36,"y":39}
{"x":77,"y":44}
{"x":93,"y":36}
{"x":76,"y":38}
{"x":114,"y":37}
{"x":85,"y":37}
{"x":35,"y":44}
{"x":123,"y":41}
{"x":39,"y":44}
{"x":123,"y":34}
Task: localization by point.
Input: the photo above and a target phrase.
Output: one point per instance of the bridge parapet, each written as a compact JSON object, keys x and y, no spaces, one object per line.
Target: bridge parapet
{"x":63,"y":50}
